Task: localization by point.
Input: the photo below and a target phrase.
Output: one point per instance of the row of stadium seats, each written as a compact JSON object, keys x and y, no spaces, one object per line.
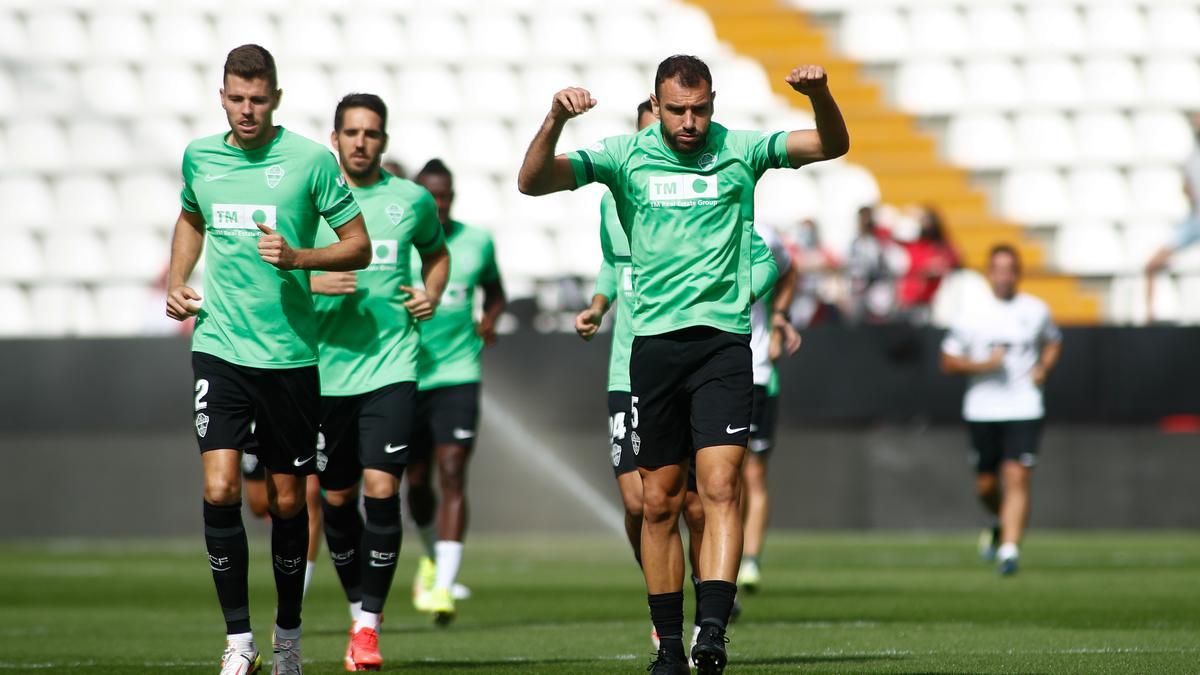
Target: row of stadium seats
{"x":422,"y":32}
{"x":52,"y":310}
{"x":890,"y":31}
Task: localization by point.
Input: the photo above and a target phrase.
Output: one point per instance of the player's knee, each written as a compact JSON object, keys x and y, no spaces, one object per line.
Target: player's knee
{"x":659,"y":505}
{"x":694,"y":515}
{"x":221,"y":491}
{"x":633,"y":507}
{"x":339,"y":498}
{"x":720,"y":487}
{"x":288,"y":505}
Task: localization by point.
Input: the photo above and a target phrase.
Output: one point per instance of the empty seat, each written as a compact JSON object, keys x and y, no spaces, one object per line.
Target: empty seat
{"x":1158,"y":192}
{"x":60,"y":309}
{"x":248,"y":27}
{"x":1128,"y":300}
{"x":176,"y":89}
{"x":136,"y":255}
{"x":111,"y":90}
{"x":99,"y":145}
{"x":742,"y":85}
{"x":48,"y":89}
{"x":875,"y":34}
{"x":540,"y":83}
{"x":119,"y":35}
{"x":37,"y":145}
{"x":56,"y":35}
{"x":8,"y":94}
{"x":75,"y":256}
{"x":939,"y":30}
{"x":539,"y":212}
{"x":1143,"y":237}
{"x":149,"y":200}
{"x":980,"y":141}
{"x":310,"y":37}
{"x":501,"y":95}
{"x":1173,"y":28}
{"x":426,"y":89}
{"x":13,"y":43}
{"x":993,"y":84}
{"x":620,"y":87}
{"x":578,"y":251}
{"x":86,"y":202}
{"x":29,"y":204}
{"x":415,"y":142}
{"x":1172,"y":80}
{"x":162,"y":139}
{"x":1163,"y":135}
{"x":1046,"y":137}
{"x":364,"y":78}
{"x":1105,"y":137}
{"x":1117,"y":28}
{"x":629,"y":33}
{"x":373,"y":35}
{"x":1054,"y":28}
{"x":783,"y":198}
{"x":183,"y":36}
{"x":1054,"y":82}
{"x":1034,"y":196}
{"x":130,"y":309}
{"x":308,"y":91}
{"x":436,"y":35}
{"x":561,"y":35}
{"x":478,"y":200}
{"x":959,"y":293}
{"x":497,"y":36}
{"x":1089,"y":248}
{"x":483,"y":145}
{"x":929,"y":87}
{"x":1099,"y":193}
{"x":995,"y":29}
{"x":528,"y":254}
{"x":20,"y":256}
{"x":16,"y":316}
{"x":1112,"y":81}
{"x":687,"y":30}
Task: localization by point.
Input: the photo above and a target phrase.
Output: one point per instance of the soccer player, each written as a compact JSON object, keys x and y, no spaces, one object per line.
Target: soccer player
{"x":771,"y":335}
{"x":257,"y":193}
{"x":684,"y":191}
{"x":448,"y":399}
{"x":369,"y":344}
{"x":1006,"y":348}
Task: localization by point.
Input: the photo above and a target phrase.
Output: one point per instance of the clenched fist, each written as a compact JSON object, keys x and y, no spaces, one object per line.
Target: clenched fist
{"x":571,"y":102}
{"x":274,"y":249}
{"x":808,"y":80}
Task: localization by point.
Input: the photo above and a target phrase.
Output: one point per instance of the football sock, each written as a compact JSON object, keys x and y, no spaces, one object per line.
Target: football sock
{"x":715,"y":598}
{"x":380,"y":547}
{"x":289,"y":546}
{"x":229,"y":558}
{"x":449,"y":558}
{"x":666,"y":612}
{"x":343,"y":533}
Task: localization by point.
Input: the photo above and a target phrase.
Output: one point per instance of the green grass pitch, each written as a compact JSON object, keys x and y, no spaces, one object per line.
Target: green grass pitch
{"x":831,"y":603}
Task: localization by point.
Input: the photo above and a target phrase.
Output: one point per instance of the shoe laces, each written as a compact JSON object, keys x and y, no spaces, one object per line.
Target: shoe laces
{"x":233,"y":650}
{"x":287,"y":656}
{"x":366,"y":639}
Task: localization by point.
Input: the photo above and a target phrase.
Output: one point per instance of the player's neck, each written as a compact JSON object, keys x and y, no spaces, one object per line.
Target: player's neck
{"x":367,"y":180}
{"x":253,"y":143}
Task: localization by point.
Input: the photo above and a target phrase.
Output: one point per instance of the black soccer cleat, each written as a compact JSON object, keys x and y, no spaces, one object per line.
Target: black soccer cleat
{"x":668,"y":662}
{"x":709,"y":654}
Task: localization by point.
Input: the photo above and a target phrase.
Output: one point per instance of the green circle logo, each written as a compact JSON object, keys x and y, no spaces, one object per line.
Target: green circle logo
{"x":381,"y":251}
{"x":259,"y":217}
{"x":699,"y":185}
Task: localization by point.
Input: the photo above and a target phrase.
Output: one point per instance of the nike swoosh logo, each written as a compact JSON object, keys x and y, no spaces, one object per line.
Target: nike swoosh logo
{"x":296,"y":462}
{"x":208,"y":178}
{"x":730,"y":430}
{"x":389,"y":448}
{"x":376,"y":563}
{"x":463,"y":434}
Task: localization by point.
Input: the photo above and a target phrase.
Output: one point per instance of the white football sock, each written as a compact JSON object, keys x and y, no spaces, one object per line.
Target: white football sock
{"x":428,"y":537}
{"x":309,"y":567}
{"x":1007,"y":551}
{"x":366,"y":620}
{"x":241,"y":638}
{"x":449,"y":557}
{"x":355,"y":610}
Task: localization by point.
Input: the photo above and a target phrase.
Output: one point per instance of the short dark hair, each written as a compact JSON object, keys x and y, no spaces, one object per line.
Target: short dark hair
{"x":251,"y":62}
{"x":1005,"y":249}
{"x":643,"y":108}
{"x":435,"y":167}
{"x":369,"y":101}
{"x":690,"y":70}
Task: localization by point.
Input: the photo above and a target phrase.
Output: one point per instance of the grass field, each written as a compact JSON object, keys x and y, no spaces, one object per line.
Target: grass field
{"x":832,"y":603}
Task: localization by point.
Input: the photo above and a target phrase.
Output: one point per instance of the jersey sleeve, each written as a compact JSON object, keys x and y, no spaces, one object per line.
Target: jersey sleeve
{"x":955,"y":342}
{"x":606,"y":279}
{"x":490,"y":273}
{"x":332,"y":198}
{"x":765,"y":150}
{"x":187,"y":196}
{"x":598,"y":163}
{"x":763,"y":270}
{"x":428,"y":235}
{"x":1049,"y":332}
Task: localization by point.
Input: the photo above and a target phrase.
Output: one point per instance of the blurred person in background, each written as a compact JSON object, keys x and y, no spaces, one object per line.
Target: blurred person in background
{"x":813,"y":263}
{"x":1187,"y":232}
{"x":1006,"y":349}
{"x":930,"y":258}
{"x":870,"y":272}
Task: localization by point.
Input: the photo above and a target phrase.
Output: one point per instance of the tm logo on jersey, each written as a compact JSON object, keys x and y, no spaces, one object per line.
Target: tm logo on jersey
{"x":385,"y":254}
{"x":682,"y":190}
{"x":242,"y":220}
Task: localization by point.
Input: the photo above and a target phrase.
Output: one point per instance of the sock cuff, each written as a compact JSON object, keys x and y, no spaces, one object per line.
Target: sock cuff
{"x":298,"y":520}
{"x":382,"y":511}
{"x":446,"y":544}
{"x":223,"y":516}
{"x":717,"y":585}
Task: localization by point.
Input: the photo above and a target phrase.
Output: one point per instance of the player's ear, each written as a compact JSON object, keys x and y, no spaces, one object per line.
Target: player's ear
{"x":333,"y":140}
{"x":654,"y":106}
{"x":385,"y":144}
{"x":278,"y":98}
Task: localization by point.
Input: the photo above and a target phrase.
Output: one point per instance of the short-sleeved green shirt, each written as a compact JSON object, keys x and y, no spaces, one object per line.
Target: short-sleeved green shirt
{"x":368,"y":338}
{"x":689,"y":219}
{"x":615,"y":281}
{"x":450,"y":347}
{"x":254,"y":314}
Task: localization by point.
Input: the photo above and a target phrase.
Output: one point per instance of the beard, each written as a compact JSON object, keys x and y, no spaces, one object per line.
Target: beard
{"x":365,"y":173}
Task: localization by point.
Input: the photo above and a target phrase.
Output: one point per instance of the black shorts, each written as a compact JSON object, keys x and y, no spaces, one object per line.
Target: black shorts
{"x":762,"y":422}
{"x":445,"y":416}
{"x":371,"y":430}
{"x":283,"y":403}
{"x":252,"y":469}
{"x":996,"y":442}
{"x":619,"y":438}
{"x":692,"y":389}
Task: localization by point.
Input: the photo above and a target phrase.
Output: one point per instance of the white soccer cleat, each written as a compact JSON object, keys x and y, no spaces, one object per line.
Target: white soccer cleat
{"x":695,"y":636}
{"x":240,"y":658}
{"x":654,"y":637}
{"x":287,"y":657}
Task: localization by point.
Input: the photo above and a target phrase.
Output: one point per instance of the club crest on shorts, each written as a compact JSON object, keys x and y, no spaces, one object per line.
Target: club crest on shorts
{"x":201,"y":424}
{"x":274,"y":175}
{"x":322,"y":461}
{"x":395,"y":213}
{"x":636,"y":442}
{"x":616,"y":454}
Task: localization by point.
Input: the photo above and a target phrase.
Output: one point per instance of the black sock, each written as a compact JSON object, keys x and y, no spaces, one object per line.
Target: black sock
{"x":380,"y":547}
{"x":289,"y":550}
{"x":343,"y":532}
{"x":715,"y":601}
{"x":666,"y":611}
{"x":229,"y":558}
{"x":696,"y":597}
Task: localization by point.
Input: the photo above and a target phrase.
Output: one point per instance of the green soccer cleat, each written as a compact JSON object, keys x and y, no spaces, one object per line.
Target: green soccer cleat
{"x":423,"y":584}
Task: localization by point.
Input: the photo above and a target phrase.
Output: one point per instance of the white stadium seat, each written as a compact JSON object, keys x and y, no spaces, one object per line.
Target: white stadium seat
{"x":120,"y":35}
{"x":1089,"y":248}
{"x":176,"y":89}
{"x":938,"y":31}
{"x":129,"y":309}
{"x":415,"y":142}
{"x":364,"y":78}
{"x":1142,"y":237}
{"x":929,"y":87}
{"x":478,"y":200}
{"x":541,"y":82}
{"x":528,"y":254}
{"x":993,"y":84}
{"x":688,"y":31}
{"x":435,"y":35}
{"x":20,"y":256}
{"x":1173,"y":81}
{"x":1105,"y":137}
{"x":310,"y":37}
{"x":148,"y":199}
{"x":13,"y":43}
{"x":1045,"y":137}
{"x":741,"y":85}
{"x":99,"y":145}
{"x":183,"y":36}
{"x":139,"y":256}
{"x":56,"y":35}
{"x":1115,"y":28}
{"x":483,"y":145}
{"x":49,"y":89}
{"x":1100,"y":193}
{"x":1054,"y":28}
{"x":85,"y":202}
{"x":1158,"y":192}
{"x":37,"y":145}
{"x":995,"y":29}
{"x":8,"y":94}
{"x":1128,"y":299}
{"x":372,"y":37}
{"x":578,"y":250}
{"x":111,"y":90}
{"x":426,"y":89}
{"x":16,"y":316}
{"x":29,"y":204}
{"x":162,"y":139}
{"x":308,"y":91}
{"x":1173,"y":28}
{"x":60,"y":309}
{"x":75,"y":256}
{"x":1054,"y":82}
{"x":874,"y":35}
{"x":498,"y":36}
{"x":1034,"y":196}
{"x":628,"y":33}
{"x":783,"y":198}
{"x":980,"y":141}
{"x":494,"y":91}
{"x":1163,"y":135}
{"x":622,"y":87}
{"x":1113,"y":81}
{"x":561,"y":35}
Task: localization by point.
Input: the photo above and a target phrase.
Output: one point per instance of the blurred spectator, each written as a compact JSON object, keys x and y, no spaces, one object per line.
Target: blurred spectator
{"x":395,"y":168}
{"x":871,"y":270}
{"x":812,"y":261}
{"x":1187,"y":232}
{"x":930,"y":257}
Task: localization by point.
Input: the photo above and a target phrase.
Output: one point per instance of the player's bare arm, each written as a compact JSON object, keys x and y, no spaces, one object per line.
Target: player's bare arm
{"x":494,"y":302}
{"x":959,"y":365}
{"x":830,"y":139}
{"x":352,"y":250}
{"x":435,"y":270}
{"x":186,"y":245}
{"x":587,"y":322}
{"x":334,"y":283}
{"x":543,"y":172}
{"x":1046,"y":362}
{"x":785,"y":340}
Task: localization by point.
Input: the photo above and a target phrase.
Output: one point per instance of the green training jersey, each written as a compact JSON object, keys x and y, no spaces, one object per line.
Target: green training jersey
{"x":253,"y":313}
{"x":689,"y":219}
{"x":450,"y":347}
{"x":368,"y":338}
{"x":615,"y":282}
